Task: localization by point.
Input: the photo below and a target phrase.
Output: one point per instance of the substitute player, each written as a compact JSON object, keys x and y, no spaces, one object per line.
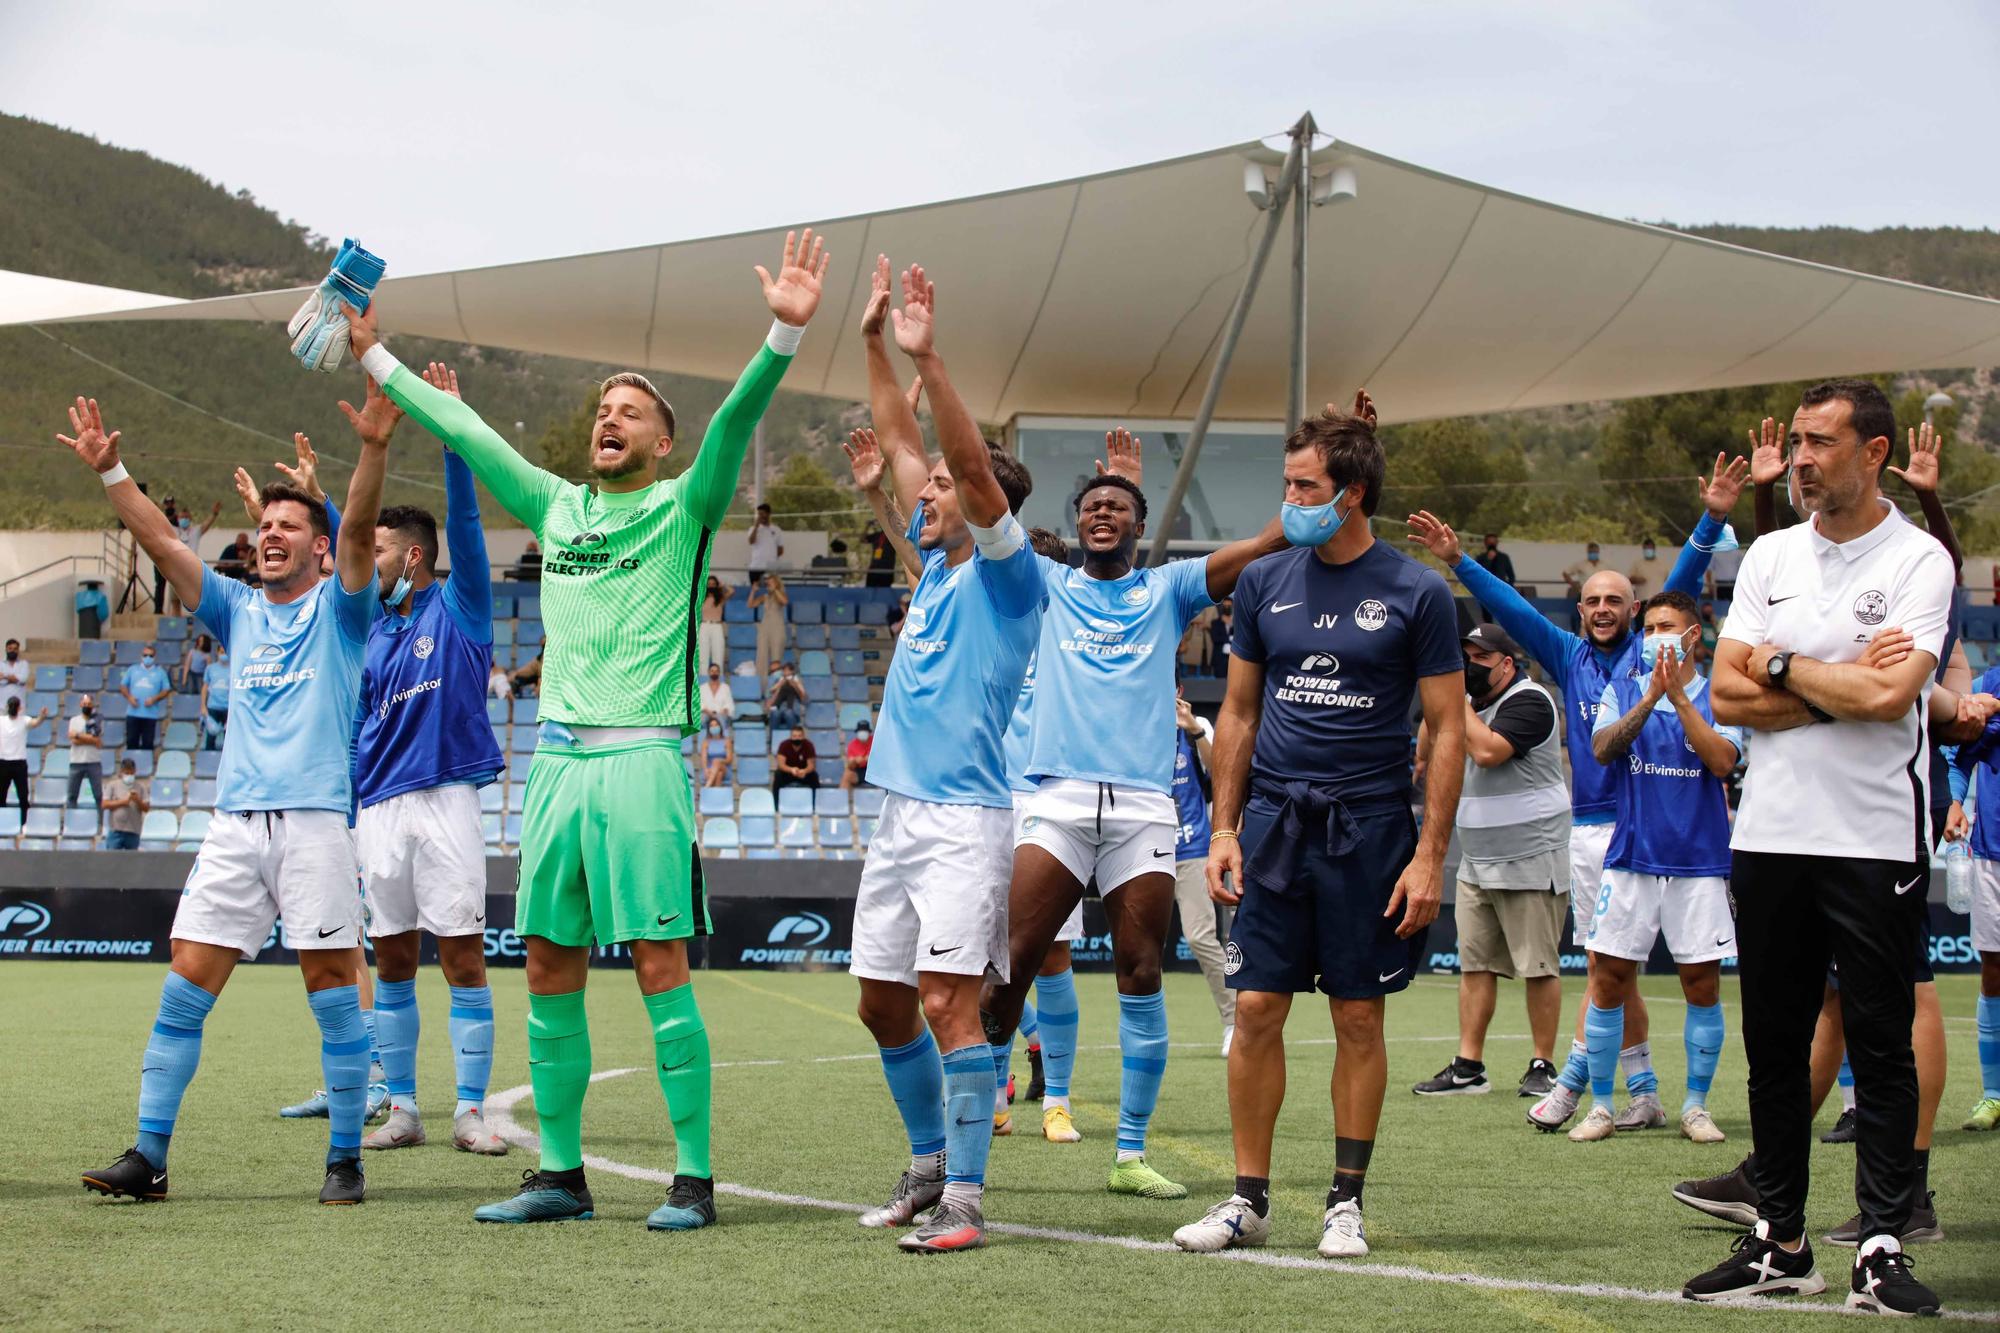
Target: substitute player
{"x":1313,"y":841}
{"x":424,"y":750}
{"x":279,"y":844}
{"x":930,"y":919}
{"x":608,"y":839}
{"x":1667,"y":869}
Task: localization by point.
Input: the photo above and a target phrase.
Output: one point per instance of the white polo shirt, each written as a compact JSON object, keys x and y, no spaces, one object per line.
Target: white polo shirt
{"x":1850,"y":789}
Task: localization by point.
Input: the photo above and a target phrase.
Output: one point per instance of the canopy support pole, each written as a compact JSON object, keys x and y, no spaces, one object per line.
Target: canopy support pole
{"x":1295,"y":408}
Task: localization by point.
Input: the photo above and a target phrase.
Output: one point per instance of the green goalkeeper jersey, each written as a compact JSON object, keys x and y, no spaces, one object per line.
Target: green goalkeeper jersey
{"x":622,"y":573}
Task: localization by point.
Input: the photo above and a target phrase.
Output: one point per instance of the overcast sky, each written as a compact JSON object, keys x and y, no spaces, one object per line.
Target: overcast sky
{"x":517,"y":130}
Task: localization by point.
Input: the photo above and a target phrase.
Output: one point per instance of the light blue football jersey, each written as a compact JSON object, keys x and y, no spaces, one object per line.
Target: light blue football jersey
{"x":1105,"y":673}
{"x":294,"y":684}
{"x":1015,"y":743}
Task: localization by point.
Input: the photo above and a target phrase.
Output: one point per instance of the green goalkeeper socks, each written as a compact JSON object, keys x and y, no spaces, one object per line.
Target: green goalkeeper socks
{"x":680,"y":1048}
{"x":559,"y":1069}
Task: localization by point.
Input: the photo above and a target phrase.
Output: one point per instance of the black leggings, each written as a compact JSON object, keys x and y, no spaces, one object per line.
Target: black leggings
{"x":14,"y":774}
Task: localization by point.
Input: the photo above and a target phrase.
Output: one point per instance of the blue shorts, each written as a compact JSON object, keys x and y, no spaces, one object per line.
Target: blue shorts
{"x":1328,"y":933}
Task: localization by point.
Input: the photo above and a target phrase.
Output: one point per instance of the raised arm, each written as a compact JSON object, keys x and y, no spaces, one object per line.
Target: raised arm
{"x":1922,"y":477}
{"x":980,"y":498}
{"x":1550,"y":646}
{"x":469,"y":591}
{"x":1235,"y":737}
{"x":1719,"y":494}
{"x":1767,"y":469}
{"x":893,"y":413}
{"x":864,"y":455}
{"x":98,"y":449}
{"x":354,"y":548}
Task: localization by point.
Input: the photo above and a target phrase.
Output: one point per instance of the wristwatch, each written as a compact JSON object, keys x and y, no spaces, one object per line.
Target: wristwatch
{"x":1780,"y":663}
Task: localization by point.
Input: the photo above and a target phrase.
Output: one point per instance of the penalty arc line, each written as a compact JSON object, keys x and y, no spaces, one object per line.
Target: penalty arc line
{"x":500,"y":1107}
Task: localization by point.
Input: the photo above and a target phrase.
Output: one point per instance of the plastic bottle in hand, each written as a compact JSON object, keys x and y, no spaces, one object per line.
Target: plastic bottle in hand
{"x":1957,"y":877}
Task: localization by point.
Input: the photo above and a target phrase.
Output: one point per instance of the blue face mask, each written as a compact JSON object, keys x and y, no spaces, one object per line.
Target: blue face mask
{"x":1311,"y":525}
{"x":1655,"y":644}
{"x":399,"y":592}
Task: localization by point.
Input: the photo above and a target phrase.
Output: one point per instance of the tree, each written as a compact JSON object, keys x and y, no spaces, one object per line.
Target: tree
{"x":806,"y":491}
{"x":1454,"y":469}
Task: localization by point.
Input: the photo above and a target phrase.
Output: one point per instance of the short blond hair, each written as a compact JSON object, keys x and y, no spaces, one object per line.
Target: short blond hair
{"x":632,"y":379}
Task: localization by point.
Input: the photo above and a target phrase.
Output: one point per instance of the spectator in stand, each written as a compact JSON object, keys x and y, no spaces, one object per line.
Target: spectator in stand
{"x":797,"y":762}
{"x":127,"y":798}
{"x":881,"y":557}
{"x":237,"y":559}
{"x":717,"y":699}
{"x":215,"y":700}
{"x":191,"y":536}
{"x":787,"y":704}
{"x":146,"y":688}
{"x":1218,"y":638}
{"x":528,"y":679}
{"x":1649,"y":575}
{"x":1195,"y":644}
{"x":16,"y":675}
{"x":1710,"y":631}
{"x":195,"y":665}
{"x":498,"y":686}
{"x":93,"y":610}
{"x":714,"y":635}
{"x":770,"y":602}
{"x":901,"y":609}
{"x":1496,"y":561}
{"x":86,"y":747}
{"x":14,"y":724}
{"x":528,"y":569}
{"x":855,"y":771}
{"x":767,"y":543}
{"x":718,"y":750}
{"x":1574,"y":577}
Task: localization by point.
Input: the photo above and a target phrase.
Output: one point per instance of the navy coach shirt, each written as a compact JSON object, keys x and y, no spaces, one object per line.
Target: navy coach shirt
{"x":1342,"y":647}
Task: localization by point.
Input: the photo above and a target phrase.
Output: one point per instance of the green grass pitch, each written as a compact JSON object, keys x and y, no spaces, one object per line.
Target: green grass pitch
{"x":1460,"y":1186}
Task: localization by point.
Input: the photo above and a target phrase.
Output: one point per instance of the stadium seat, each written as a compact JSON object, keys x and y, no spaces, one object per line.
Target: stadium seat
{"x":830,"y":801}
{"x":752,"y":739}
{"x":113,"y":705}
{"x":180,"y":736}
{"x":717,"y":801}
{"x":864,"y":831}
{"x":741,"y":636}
{"x":874,"y":613}
{"x":517,"y":796}
{"x":821,"y":716}
{"x":89,"y":679}
{"x":114,"y":735}
{"x":763,"y":854}
{"x":756,"y":801}
{"x":489,"y":828}
{"x":758,"y":830}
{"x":160,"y":826}
{"x":847,"y":663}
{"x":826,"y":742}
{"x":522,"y":741}
{"x":851,"y":690}
{"x":81,"y":822}
{"x":829,"y":770}
{"x":526,"y":711}
{"x":817,"y":687}
{"x":38,"y":844}
{"x":207,"y":763}
{"x":496,"y":710}
{"x":795,"y":801}
{"x":796,"y":832}
{"x":39,"y":735}
{"x":492,"y":798}
{"x":51,"y":679}
{"x":808,"y":613}
{"x":10,"y":821}
{"x":186,"y":708}
{"x":49,"y":791}
{"x":168,"y":792}
{"x":172,"y":628}
{"x":55,"y":762}
{"x":836,"y":833}
{"x":808,"y":636}
{"x":38,"y":700}
{"x":754,"y":772}
{"x":840,"y":613}
{"x":174,"y":764}
{"x":201,"y":794}
{"x":43,"y":822}
{"x":736,"y":611}
{"x":528,"y":606}
{"x":719,"y":833}
{"x":511,"y":831}
{"x":194,"y":825}
{"x":80,"y":843}
{"x":125,"y":652}
{"x":868,"y":802}
{"x":142,"y":762}
{"x":169,"y":654}
{"x":817,"y":663}
{"x":749,"y":710}
{"x":845,"y":638}
{"x":94,"y":652}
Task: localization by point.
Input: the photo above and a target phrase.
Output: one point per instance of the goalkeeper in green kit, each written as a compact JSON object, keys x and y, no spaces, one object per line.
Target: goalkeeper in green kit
{"x":608,"y":834}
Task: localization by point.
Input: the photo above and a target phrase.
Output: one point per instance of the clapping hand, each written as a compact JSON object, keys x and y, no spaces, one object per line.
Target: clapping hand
{"x":1767,"y":454}
{"x":306,"y":475}
{"x":916,"y":322}
{"x":794,"y":294}
{"x":1922,"y":474}
{"x":864,"y":455}
{"x":1121,"y":456}
{"x":1720,"y":492}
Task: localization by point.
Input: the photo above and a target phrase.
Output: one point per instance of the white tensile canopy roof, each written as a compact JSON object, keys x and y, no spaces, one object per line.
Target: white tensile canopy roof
{"x":1105,"y":296}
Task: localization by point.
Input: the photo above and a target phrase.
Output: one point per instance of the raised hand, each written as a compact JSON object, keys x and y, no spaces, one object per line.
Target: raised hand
{"x":1922,"y":473}
{"x":442,"y":378}
{"x":1364,"y":407}
{"x":1720,"y":492}
{"x":1121,"y":456}
{"x":794,"y":294}
{"x":1667,"y":675}
{"x":916,"y":322}
{"x":1433,"y":533}
{"x":361,"y":334}
{"x":215,"y":511}
{"x":376,"y":421}
{"x":1767,"y":454}
{"x":864,"y":455}
{"x":246,"y":490}
{"x":306,"y":475}
{"x":1891,"y":644}
{"x":877,"y":312}
{"x":91,"y":443}
{"x":915,"y":394}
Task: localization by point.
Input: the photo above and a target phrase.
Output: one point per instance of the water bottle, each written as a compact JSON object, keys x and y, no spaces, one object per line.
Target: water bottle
{"x":1957,"y":878}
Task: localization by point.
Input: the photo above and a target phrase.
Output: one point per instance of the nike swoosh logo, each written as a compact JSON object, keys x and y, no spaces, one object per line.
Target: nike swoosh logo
{"x":669,"y":920}
{"x":1773,"y":601}
{"x":538,"y":1062}
{"x":160,"y":1179}
{"x":335,"y":931}
{"x":1388,"y":975}
{"x":1905,"y":888}
{"x":463,"y":1051}
{"x":480,"y":917}
{"x":1721,"y":941}
{"x":355,"y":1088}
{"x":154,"y":1069}
{"x":675,"y":1069}
{"x":980,"y":1121}
{"x":1284,"y":606}
{"x":1161,"y":855}
{"x":939,"y":953}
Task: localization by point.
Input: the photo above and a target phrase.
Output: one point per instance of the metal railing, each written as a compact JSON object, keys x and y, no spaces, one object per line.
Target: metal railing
{"x":97,"y":565}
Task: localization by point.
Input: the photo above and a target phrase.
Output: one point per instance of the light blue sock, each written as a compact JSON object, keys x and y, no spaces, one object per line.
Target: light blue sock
{"x":1003,"y":1068}
{"x":393,"y":1028}
{"x":1639,"y":1076}
{"x":1030,"y":1023}
{"x":916,"y":1081}
{"x":968,"y":1113}
{"x":1142,"y":1044}
{"x":472,"y":1044}
{"x":1058,"y":1020}
{"x":1603,"y":1030}
{"x":1575,"y":1073}
{"x":172,"y":1053}
{"x":1845,"y":1080}
{"x":343,"y":1062}
{"x":376,"y":1073}
{"x":1702,"y":1034}
{"x":1989,"y":1044}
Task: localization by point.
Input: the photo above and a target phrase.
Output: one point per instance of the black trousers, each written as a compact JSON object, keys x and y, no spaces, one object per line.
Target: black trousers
{"x":1794,"y":914}
{"x":13,"y":780}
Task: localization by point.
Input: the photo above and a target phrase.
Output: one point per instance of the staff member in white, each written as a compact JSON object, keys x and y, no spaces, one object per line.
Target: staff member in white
{"x":1831,"y":850}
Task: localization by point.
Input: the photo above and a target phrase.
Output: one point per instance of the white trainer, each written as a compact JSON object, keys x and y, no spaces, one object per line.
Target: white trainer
{"x":469,"y":1134}
{"x":1697,"y":1124}
{"x":1552,"y":1112}
{"x":1229,"y":1224}
{"x":1595,"y":1125}
{"x":1642,"y":1112}
{"x":1341,"y":1236}
{"x":403,"y":1129}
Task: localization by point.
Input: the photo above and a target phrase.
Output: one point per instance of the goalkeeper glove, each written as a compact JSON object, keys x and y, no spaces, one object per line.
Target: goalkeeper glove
{"x":319,"y":328}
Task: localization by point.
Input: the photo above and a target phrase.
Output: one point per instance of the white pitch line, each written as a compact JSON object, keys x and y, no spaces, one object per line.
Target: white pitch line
{"x":500,"y":1106}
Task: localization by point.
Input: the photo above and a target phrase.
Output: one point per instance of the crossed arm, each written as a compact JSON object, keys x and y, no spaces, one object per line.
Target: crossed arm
{"x":1848,"y":691}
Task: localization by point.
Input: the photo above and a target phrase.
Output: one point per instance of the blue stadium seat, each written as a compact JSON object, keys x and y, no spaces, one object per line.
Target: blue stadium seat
{"x":38,"y":700}
{"x":864,"y":831}
{"x":492,"y":798}
{"x":816,"y":663}
{"x":822,"y":717}
{"x":818,"y":688}
{"x":50,"y":791}
{"x":719,"y":833}
{"x":174,"y":764}
{"x":795,"y":801}
{"x":757,"y":801}
{"x":168,"y":791}
{"x":874,"y":613}
{"x":521,"y":741}
{"x":142,"y":762}
{"x":161,"y":826}
{"x":511,"y":832}
{"x":808,"y":636}
{"x":112,"y":704}
{"x":81,"y":822}
{"x":526,"y":712}
{"x":94,"y":652}
{"x":796,"y":833}
{"x":37,"y":844}
{"x":489,"y":828}
{"x":207,"y":763}
{"x":125,"y":652}
{"x":851,"y":690}
{"x":169,"y":653}
{"x":503,"y":632}
{"x":751,"y":738}
{"x":114,"y":736}
{"x":201,"y":793}
{"x":55,"y":762}
{"x":763,"y":854}
{"x":808,"y":613}
{"x":503,"y":601}
{"x":736,"y":611}
{"x":496,"y":710}
{"x":868,"y":802}
{"x":194,"y":825}
{"x":40,"y":734}
{"x":527,"y":633}
{"x":741,"y":636}
{"x":717,"y":801}
{"x":43,"y":822}
{"x":846,"y":638}
{"x":840,"y":613}
{"x":836,"y":833}
{"x":82,"y":843}
{"x":51,"y":679}
{"x":186,"y":708}
{"x":528,"y":606}
{"x":754,"y":772}
{"x":829,"y":770}
{"x":517,"y":796}
{"x":180,"y":736}
{"x":749,"y":710}
{"x":758,"y":830}
{"x":89,"y":679}
{"x":173,"y":628}
{"x":10,"y":820}
{"x":847,"y":663}
{"x":830,"y":801}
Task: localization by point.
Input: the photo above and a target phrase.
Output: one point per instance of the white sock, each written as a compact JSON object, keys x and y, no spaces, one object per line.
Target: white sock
{"x":1063,"y":1102}
{"x":964,"y":1193}
{"x":927,"y":1166}
{"x":999,"y":1101}
{"x":1127,"y":1155}
{"x":1847,"y":1097}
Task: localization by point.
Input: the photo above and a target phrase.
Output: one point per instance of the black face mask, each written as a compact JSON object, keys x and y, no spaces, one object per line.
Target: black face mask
{"x":1478,"y":679}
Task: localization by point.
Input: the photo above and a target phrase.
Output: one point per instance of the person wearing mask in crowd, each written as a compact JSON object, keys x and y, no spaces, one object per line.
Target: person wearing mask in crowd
{"x":195,"y":665}
{"x":127,"y":798}
{"x":86,"y":746}
{"x":718,"y":752}
{"x":93,"y":610}
{"x":717,"y":700}
{"x":190,"y":535}
{"x":714,"y":640}
{"x":1496,"y":561}
{"x":787,"y":704}
{"x":854,"y":771}
{"x":767,"y":543}
{"x":16,"y":675}
{"x":215,"y":699}
{"x":146,"y":688}
{"x":770,"y":602}
{"x":797,"y":762}
{"x":1649,"y":573}
{"x":14,"y":725}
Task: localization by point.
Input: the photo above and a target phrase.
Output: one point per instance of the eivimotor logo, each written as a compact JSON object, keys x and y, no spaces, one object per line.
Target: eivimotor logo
{"x":30,"y":930}
{"x":795,"y":941}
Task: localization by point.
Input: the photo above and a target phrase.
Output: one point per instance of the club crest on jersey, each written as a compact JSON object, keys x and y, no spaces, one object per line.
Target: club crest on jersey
{"x":917,"y":620}
{"x":423,"y":647}
{"x":1325,"y":662}
{"x":1871,"y":608}
{"x":1232,"y":958}
{"x":1371,"y":615}
{"x":1137,"y":595}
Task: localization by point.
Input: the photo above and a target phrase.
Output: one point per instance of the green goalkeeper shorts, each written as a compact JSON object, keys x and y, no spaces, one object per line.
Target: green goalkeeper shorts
{"x":608,"y":846}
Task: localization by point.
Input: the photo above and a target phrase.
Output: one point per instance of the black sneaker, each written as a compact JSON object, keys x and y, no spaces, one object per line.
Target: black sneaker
{"x":1922,"y":1226}
{"x":690,"y":1206}
{"x":1758,"y":1266}
{"x":1881,"y":1283}
{"x":1843,"y":1129}
{"x":1733,"y":1196}
{"x":131,"y":1175}
{"x":1539,"y":1081}
{"x":1037,"y":1089}
{"x":1461,"y":1077}
{"x":343,"y":1182}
